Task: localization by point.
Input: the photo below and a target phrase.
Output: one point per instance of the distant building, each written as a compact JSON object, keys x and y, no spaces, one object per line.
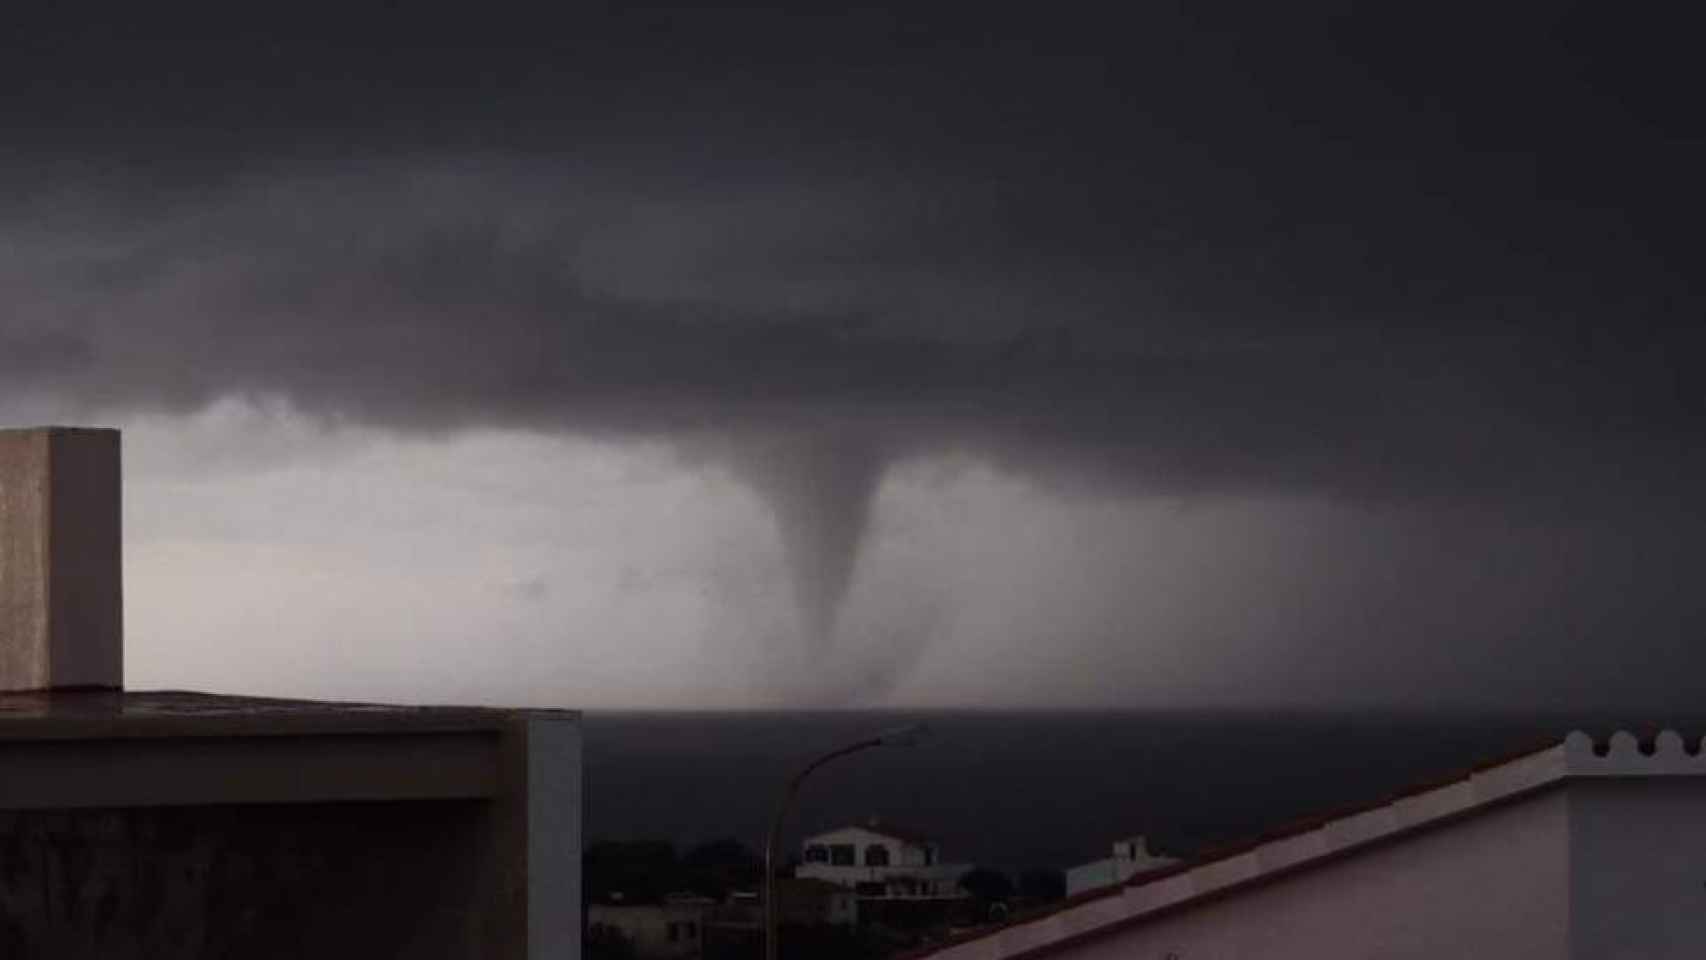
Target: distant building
{"x":798,"y":902}
{"x":1131,"y":856}
{"x":881,"y":862}
{"x":673,"y":929}
{"x":1578,"y":851}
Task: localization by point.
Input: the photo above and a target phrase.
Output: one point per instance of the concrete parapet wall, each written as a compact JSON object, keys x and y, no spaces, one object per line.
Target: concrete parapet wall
{"x":322,"y":880}
{"x":170,"y":826}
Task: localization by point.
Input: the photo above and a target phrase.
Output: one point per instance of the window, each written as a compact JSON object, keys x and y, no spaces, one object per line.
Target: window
{"x":841,"y":855}
{"x":817,"y":853}
{"x":869,"y":889}
{"x":876,"y":855}
{"x":674,"y":933}
{"x":690,"y":930}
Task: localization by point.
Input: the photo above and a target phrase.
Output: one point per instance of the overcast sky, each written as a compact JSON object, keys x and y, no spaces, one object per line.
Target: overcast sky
{"x":1255,"y":354}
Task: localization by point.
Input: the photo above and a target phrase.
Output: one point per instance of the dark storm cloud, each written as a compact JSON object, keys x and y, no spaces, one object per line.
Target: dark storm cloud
{"x":475,"y":293}
{"x":1366,"y":253}
{"x":30,"y":357}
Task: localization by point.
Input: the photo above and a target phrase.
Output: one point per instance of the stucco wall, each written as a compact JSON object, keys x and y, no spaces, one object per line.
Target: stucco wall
{"x":305,"y":880}
{"x":1494,"y":885}
{"x":1639,"y":883}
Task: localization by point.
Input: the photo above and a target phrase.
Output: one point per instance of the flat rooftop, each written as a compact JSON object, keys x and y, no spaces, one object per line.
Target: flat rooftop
{"x":103,"y":714}
{"x":109,"y":748}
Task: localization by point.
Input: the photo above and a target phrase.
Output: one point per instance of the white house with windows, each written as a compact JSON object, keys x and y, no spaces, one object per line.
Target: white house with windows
{"x":879,"y":861}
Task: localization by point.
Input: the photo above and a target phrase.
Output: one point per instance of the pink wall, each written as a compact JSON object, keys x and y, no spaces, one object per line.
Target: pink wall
{"x":1493,"y":885}
{"x":1639,"y":883}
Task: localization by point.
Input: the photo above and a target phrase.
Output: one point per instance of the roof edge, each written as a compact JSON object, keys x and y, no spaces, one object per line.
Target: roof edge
{"x":1577,"y":756}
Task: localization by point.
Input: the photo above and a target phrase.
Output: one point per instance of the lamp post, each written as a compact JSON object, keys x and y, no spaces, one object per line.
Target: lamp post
{"x":899,"y":737}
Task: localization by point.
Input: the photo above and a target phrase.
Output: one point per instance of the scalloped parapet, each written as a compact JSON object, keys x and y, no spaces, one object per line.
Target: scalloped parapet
{"x":1623,"y":754}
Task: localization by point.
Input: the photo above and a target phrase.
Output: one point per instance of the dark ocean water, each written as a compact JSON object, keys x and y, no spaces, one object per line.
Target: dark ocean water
{"x":1018,"y":789}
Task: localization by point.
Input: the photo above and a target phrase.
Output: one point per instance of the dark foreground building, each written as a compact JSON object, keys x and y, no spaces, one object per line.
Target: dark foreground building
{"x":182,"y":825}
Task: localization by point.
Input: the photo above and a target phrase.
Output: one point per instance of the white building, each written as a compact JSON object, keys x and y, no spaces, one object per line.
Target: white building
{"x":1580,"y":851}
{"x":1131,"y":857}
{"x":671,"y":930}
{"x":878,"y":861}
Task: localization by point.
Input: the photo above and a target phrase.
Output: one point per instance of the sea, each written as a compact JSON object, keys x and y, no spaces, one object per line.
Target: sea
{"x":1016,"y":790}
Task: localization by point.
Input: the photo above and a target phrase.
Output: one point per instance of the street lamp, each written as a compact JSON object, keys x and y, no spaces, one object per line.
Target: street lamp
{"x":906,"y":736}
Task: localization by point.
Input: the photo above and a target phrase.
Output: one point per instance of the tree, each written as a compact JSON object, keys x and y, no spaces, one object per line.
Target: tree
{"x":719,"y":866}
{"x":638,"y":871}
{"x":726,"y":852}
{"x":1042,"y":883}
{"x":986,"y":884}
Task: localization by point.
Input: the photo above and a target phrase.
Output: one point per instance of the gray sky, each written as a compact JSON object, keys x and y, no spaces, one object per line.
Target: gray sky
{"x":922,"y":355}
